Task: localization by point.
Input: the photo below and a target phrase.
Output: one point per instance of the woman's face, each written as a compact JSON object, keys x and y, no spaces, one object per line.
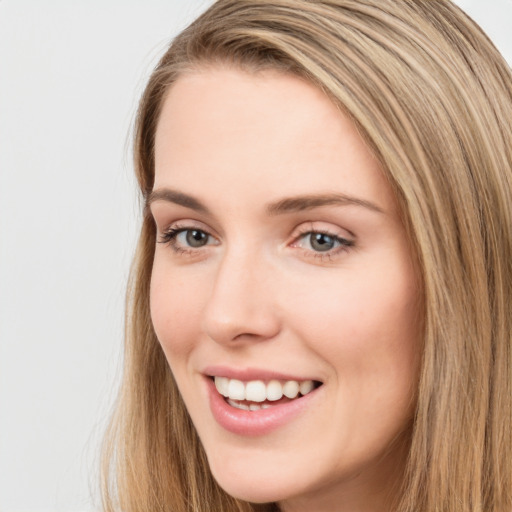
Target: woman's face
{"x":282,"y":265}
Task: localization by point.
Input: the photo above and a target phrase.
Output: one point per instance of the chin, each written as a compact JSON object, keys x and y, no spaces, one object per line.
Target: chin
{"x":246,"y":484}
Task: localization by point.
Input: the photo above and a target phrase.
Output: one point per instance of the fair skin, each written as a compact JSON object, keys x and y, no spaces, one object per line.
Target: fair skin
{"x":251,"y":283}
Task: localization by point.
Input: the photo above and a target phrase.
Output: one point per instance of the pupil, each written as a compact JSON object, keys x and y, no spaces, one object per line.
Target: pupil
{"x":321,"y":242}
{"x":196,"y":238}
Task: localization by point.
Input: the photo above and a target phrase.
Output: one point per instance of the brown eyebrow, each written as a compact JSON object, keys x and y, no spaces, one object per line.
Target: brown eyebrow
{"x":287,"y":205}
{"x":308,"y":202}
{"x":173,"y":196}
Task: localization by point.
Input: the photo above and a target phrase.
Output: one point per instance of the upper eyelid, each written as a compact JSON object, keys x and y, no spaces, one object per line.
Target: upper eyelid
{"x":184,"y":225}
{"x":331,"y":231}
{"x":322,"y":232}
{"x":298,"y":231}
{"x":161,"y":213}
{"x":181,"y":229}
{"x":342,"y":240}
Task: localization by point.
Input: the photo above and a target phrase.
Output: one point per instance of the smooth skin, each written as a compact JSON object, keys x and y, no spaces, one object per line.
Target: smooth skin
{"x":246,"y":279}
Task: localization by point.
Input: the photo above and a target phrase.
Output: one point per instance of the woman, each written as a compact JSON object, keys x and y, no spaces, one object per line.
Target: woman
{"x":319,"y":316}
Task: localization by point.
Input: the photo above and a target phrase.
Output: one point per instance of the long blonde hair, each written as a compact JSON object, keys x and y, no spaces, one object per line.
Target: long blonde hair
{"x":433,"y":99}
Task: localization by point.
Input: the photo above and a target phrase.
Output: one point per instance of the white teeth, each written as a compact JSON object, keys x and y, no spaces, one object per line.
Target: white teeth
{"x":291,"y":389}
{"x":274,"y":391}
{"x":258,"y":391}
{"x":306,"y":386}
{"x":245,"y":407}
{"x":236,"y":390}
{"x":221,"y":383}
{"x":238,"y":405}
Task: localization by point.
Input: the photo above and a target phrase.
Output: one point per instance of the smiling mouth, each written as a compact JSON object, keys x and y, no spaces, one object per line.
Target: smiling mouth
{"x":256,"y":395}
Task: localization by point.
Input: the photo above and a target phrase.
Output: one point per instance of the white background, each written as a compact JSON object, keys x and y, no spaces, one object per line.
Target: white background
{"x":70,"y":77}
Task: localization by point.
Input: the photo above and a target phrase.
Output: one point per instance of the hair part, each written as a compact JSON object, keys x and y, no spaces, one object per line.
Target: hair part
{"x":432,"y":98}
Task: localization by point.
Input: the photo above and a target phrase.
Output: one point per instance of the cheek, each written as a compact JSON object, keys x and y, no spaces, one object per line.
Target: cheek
{"x":367,"y":326}
{"x":175,"y":303}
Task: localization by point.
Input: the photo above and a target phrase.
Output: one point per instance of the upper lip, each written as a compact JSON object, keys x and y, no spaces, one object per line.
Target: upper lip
{"x":248,"y":374}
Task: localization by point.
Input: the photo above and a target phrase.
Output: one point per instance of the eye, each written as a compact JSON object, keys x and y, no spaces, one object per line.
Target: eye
{"x":193,"y":237}
{"x":322,"y":243}
{"x":183,"y":239}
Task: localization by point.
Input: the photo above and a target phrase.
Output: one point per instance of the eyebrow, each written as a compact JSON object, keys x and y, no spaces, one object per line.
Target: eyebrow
{"x":309,"y":202}
{"x":173,"y":196}
{"x":283,"y":206}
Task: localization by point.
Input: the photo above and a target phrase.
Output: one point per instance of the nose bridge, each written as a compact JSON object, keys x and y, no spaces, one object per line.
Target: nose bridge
{"x":241,"y":304}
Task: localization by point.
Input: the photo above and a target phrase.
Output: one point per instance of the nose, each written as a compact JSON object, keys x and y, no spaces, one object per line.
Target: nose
{"x":242,"y":306}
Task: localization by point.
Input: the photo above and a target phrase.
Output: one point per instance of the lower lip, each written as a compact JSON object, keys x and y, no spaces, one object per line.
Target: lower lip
{"x":255,"y":423}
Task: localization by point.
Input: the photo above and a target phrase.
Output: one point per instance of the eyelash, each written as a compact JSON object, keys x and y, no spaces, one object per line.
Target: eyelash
{"x":170,"y":237}
{"x":344,"y":244}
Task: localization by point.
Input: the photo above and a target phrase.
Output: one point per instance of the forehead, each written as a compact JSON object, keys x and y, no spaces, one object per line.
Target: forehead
{"x":269,"y":131}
